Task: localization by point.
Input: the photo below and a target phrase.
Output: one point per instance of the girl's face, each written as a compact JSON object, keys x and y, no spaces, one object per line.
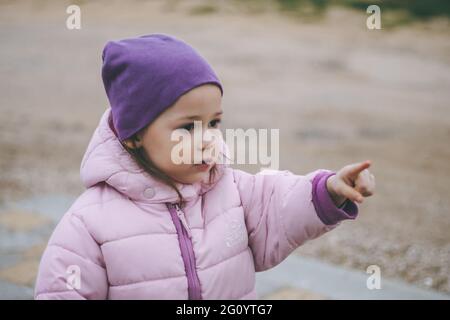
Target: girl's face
{"x":199,"y":104}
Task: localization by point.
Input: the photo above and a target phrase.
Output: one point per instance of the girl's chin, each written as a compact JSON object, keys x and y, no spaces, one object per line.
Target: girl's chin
{"x":200,"y":176}
{"x":194,"y":176}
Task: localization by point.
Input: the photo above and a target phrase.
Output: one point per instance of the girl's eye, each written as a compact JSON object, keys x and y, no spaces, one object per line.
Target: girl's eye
{"x":188,"y":126}
{"x":214,"y":123}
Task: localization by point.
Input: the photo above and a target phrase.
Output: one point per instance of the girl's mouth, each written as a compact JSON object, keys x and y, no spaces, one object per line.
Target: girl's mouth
{"x":202,"y":166}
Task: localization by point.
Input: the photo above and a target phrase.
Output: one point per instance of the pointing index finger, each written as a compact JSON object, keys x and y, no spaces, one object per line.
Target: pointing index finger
{"x":358,"y":167}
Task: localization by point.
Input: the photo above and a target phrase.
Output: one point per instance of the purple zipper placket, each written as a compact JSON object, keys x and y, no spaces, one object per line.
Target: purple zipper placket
{"x":187,"y":250}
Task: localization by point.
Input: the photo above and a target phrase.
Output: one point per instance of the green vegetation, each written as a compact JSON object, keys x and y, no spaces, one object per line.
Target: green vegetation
{"x":415,"y":9}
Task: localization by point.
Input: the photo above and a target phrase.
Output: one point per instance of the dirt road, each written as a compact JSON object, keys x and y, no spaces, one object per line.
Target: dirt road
{"x":339,"y":93}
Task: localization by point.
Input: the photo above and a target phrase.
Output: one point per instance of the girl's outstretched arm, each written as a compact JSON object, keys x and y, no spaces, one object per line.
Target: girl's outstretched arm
{"x":283,"y":210}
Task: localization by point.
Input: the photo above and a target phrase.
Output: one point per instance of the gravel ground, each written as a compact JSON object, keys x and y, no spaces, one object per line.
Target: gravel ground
{"x":338,"y":92}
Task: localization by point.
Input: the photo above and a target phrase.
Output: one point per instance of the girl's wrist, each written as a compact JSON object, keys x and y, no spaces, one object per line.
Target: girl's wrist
{"x":338,"y":200}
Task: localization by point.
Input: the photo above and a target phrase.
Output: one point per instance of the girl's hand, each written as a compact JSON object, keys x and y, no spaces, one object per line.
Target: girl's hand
{"x":353,"y":182}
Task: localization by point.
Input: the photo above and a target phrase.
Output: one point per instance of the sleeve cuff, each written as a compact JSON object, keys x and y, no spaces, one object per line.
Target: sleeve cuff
{"x":326,"y":210}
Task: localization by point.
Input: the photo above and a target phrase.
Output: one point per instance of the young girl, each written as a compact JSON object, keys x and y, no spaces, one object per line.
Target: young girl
{"x":150,"y":228}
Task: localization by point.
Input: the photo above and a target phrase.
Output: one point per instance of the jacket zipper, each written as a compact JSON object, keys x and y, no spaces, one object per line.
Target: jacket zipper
{"x":187,"y":250}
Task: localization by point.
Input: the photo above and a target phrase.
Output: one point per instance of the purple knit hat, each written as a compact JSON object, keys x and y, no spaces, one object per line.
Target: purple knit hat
{"x":143,"y":76}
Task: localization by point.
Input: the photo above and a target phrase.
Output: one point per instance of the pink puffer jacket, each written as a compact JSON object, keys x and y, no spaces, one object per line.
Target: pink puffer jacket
{"x":127,"y":241}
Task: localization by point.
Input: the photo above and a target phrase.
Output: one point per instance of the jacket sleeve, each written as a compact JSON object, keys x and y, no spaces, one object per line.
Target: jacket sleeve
{"x":72,"y":265}
{"x":283,"y":210}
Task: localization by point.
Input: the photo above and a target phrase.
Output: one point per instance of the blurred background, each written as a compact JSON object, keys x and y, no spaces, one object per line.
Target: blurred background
{"x":338,"y":92}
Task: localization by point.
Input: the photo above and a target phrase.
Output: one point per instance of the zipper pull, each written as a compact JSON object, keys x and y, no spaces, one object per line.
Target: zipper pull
{"x":182,"y":218}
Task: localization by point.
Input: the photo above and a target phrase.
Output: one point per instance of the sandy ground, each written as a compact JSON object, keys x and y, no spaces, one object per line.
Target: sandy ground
{"x":338,"y":92}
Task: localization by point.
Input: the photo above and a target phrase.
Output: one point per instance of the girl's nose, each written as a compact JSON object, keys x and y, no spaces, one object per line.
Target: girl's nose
{"x":206,"y":144}
{"x":210,"y":137}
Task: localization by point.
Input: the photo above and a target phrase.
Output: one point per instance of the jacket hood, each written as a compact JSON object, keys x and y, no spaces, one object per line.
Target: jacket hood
{"x":106,"y":160}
